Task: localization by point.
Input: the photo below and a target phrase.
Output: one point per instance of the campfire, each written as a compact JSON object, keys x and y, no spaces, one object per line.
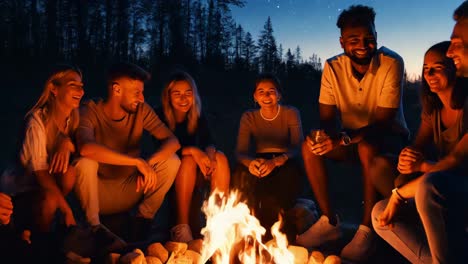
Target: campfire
{"x":231,"y":235}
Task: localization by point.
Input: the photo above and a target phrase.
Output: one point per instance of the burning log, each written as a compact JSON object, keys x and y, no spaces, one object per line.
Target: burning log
{"x":135,"y":257}
{"x":196,"y":245}
{"x":159,"y":251}
{"x":316,"y":257}
{"x":332,"y":259}
{"x":301,"y":255}
{"x":153,"y":260}
{"x":194,"y":256}
{"x":176,"y":247}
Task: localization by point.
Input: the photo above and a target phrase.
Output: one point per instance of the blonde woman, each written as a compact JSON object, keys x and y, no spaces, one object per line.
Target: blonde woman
{"x":45,"y":176}
{"x":181,"y":111}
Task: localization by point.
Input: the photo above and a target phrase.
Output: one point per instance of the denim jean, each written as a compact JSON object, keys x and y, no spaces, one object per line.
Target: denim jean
{"x":441,"y":206}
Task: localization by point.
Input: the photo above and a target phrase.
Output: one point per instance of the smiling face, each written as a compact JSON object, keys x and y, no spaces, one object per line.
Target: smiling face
{"x":68,"y":90}
{"x":437,"y":73}
{"x":359,"y":43}
{"x":458,"y":50}
{"x":266,"y":94}
{"x":181,"y":97}
{"x":131,"y":94}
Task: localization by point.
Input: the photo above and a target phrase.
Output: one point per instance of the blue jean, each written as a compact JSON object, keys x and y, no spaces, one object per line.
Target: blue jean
{"x":441,"y":206}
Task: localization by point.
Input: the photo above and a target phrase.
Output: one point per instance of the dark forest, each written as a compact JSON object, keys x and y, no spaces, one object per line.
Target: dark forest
{"x":200,"y":37}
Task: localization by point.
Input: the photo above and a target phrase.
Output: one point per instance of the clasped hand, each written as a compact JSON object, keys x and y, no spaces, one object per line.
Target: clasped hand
{"x":386,"y":218}
{"x":410,"y":161}
{"x":147,"y":180}
{"x":207,"y":166}
{"x":322,"y":147}
{"x":261,"y":167}
{"x":61,"y":157}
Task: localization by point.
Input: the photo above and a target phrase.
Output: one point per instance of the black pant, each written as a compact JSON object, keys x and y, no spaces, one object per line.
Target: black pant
{"x":271,"y":195}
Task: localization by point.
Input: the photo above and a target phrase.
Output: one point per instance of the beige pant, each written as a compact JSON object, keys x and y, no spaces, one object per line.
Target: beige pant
{"x":109,"y":196}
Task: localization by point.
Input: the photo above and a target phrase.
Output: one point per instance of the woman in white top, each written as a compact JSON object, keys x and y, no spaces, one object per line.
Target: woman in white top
{"x":45,"y":175}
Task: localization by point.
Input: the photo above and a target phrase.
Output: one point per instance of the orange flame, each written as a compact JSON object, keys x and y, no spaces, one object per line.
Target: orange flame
{"x":232,"y":234}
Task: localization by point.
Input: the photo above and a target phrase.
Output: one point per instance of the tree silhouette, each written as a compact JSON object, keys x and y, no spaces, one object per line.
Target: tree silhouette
{"x":268,"y":52}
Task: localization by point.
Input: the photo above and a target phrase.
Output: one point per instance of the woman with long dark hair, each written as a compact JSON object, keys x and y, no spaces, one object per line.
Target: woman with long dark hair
{"x":268,"y":143}
{"x":433,"y":192}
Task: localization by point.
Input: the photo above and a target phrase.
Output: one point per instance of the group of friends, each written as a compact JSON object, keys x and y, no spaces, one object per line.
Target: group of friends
{"x":94,"y":150}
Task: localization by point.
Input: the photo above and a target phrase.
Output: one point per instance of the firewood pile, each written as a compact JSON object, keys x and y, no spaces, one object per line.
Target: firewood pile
{"x":190,"y":253}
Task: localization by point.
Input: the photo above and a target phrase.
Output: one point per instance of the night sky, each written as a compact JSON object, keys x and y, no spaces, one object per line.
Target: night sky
{"x":408,"y":27}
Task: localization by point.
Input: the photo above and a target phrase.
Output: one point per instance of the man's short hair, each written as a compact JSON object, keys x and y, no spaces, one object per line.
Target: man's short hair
{"x":356,"y":15}
{"x":127,"y":69}
{"x":461,"y":12}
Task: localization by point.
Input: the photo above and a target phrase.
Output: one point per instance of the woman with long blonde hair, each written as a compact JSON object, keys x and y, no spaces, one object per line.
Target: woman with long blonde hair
{"x":182,"y":113}
{"x":45,"y":175}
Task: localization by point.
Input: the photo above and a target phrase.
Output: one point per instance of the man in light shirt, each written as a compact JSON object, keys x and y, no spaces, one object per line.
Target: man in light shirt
{"x":361,"y":89}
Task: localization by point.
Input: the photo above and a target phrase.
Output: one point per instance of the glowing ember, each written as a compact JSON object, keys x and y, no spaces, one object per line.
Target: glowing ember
{"x":233,"y":235}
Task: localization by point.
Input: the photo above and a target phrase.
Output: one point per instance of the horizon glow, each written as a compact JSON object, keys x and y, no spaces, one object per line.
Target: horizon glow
{"x":408,"y":27}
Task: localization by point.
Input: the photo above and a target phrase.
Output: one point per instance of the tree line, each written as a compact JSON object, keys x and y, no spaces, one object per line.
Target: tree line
{"x":153,"y":33}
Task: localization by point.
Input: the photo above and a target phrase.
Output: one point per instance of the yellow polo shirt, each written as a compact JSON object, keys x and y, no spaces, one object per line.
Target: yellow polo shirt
{"x":357,"y":100}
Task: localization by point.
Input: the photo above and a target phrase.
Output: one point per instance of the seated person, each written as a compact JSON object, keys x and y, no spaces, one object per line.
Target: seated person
{"x":270,"y":176}
{"x":182,"y":113}
{"x":434,"y":194}
{"x":43,"y":173}
{"x":44,"y":176}
{"x":361,"y":90}
{"x":111,"y":176}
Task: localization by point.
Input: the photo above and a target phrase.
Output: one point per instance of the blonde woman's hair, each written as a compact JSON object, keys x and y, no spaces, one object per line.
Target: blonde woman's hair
{"x":193,"y":114}
{"x":47,"y":100}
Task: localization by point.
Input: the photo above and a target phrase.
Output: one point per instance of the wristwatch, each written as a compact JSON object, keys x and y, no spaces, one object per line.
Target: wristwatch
{"x":345,"y":139}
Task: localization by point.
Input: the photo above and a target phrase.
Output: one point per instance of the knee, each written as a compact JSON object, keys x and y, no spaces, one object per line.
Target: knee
{"x":188,"y":162}
{"x":430,"y":189}
{"x":306,"y":153}
{"x":49,"y":200}
{"x":68,"y":180}
{"x":367,"y":151}
{"x":85,"y":165}
{"x":378,"y":208}
{"x":221,"y":159}
{"x":172,"y":165}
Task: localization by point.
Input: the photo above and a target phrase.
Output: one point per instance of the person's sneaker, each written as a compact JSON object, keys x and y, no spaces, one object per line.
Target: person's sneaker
{"x":361,"y":246}
{"x":107,"y":240}
{"x":181,"y":233}
{"x":319,"y":233}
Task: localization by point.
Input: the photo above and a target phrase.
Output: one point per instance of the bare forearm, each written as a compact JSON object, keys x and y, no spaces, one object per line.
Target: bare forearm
{"x":447,"y":163}
{"x":190,"y":150}
{"x":409,"y":190}
{"x":103,"y":154}
{"x":167,"y":149}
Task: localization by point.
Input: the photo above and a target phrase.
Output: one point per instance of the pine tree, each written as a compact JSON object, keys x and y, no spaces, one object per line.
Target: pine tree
{"x":268,"y":53}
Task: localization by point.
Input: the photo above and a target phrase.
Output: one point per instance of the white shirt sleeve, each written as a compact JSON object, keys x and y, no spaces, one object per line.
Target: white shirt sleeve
{"x":326,"y":87}
{"x":34,"y":150}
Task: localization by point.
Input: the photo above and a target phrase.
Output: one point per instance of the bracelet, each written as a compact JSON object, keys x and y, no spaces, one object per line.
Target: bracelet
{"x":401,"y":198}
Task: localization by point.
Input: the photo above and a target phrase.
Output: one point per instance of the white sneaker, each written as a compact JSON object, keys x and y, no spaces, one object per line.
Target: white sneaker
{"x":319,"y":233}
{"x":361,"y":246}
{"x":181,"y":233}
